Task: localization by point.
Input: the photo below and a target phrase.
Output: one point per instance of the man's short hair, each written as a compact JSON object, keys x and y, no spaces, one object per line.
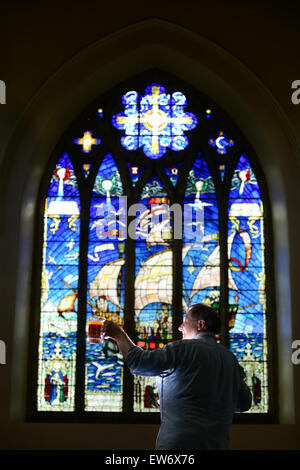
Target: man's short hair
{"x":209,"y":315}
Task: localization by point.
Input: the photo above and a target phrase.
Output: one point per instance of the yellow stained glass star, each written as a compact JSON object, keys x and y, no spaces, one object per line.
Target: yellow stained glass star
{"x":87,"y":141}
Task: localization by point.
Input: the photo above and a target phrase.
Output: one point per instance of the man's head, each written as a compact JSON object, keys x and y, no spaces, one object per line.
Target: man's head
{"x":200,"y":318}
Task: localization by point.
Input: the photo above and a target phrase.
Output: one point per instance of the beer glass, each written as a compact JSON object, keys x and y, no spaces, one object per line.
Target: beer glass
{"x":95,"y":334}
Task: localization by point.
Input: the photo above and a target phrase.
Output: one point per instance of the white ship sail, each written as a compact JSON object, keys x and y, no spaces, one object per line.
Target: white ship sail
{"x":154,"y":282}
{"x":67,"y":303}
{"x":209,"y":275}
{"x":106,"y":282}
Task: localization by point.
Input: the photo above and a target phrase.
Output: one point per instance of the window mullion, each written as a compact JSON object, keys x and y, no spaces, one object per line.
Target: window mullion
{"x":129,"y":318}
{"x":82,"y":290}
{"x":177,"y":287}
{"x":223,"y":241}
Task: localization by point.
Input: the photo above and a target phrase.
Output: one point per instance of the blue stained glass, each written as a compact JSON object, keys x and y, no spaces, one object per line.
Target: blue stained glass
{"x":153,"y":234}
{"x":153,"y":282}
{"x":173,"y":173}
{"x":247,"y":335}
{"x":201,"y":251}
{"x":59,"y":291}
{"x":66,"y":253}
{"x":208,"y":113}
{"x":135,"y":172}
{"x":221,"y":143}
{"x":209,"y":296}
{"x":111,"y":264}
{"x":63,"y":182}
{"x":86,"y":167}
{"x":154,"y":121}
{"x":108,"y":181}
{"x":249,"y":322}
{"x":222,"y":171}
{"x":200,"y":180}
{"x":153,"y":188}
{"x":105,"y":294}
{"x":244,"y":184}
{"x":238,"y":344}
{"x":62,"y":228}
{"x":248,"y":300}
{"x":67,"y":345}
{"x":108,"y":219}
{"x":200,"y":216}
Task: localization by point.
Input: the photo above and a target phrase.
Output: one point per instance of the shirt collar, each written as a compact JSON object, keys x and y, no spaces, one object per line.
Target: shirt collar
{"x":205,"y":334}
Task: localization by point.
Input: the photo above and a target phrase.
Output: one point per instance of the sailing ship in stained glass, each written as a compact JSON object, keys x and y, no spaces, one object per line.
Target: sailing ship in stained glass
{"x":153,"y":283}
{"x":105,"y":297}
{"x":59,"y":291}
{"x":200,"y":248}
{"x":247,"y":337}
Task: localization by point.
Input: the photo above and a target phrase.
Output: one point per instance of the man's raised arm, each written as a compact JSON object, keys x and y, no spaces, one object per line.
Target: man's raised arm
{"x":114,"y":331}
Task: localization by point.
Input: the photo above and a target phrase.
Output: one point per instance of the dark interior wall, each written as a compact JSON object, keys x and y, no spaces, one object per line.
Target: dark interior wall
{"x":48,"y":58}
{"x":38,"y":38}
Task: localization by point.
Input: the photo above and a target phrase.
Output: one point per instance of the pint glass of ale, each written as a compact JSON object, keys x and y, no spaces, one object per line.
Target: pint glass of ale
{"x":94,"y":331}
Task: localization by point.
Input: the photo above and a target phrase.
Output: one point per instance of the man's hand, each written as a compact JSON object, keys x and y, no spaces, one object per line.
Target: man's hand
{"x":114,"y":331}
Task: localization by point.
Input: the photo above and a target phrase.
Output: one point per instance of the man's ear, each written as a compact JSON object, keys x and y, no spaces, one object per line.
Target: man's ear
{"x":201,"y":325}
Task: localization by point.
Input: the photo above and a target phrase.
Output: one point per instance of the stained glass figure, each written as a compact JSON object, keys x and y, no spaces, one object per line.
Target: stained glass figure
{"x":154,"y":121}
{"x":247,"y":267}
{"x":104,"y":363}
{"x":200,"y":250}
{"x":221,"y":143}
{"x":153,"y":282}
{"x":59,"y":291}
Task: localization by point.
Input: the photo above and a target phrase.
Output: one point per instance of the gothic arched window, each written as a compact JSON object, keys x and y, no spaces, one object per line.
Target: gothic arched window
{"x":153,"y":201}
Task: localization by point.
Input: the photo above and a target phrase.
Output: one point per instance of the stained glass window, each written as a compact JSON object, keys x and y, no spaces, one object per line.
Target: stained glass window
{"x":148,"y":211}
{"x":59,"y":291}
{"x":153,"y":283}
{"x":248,"y":334}
{"x":201,"y":248}
{"x":104,"y":363}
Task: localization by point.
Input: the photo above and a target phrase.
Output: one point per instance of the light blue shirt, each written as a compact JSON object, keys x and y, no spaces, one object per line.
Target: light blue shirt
{"x":200,"y":385}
